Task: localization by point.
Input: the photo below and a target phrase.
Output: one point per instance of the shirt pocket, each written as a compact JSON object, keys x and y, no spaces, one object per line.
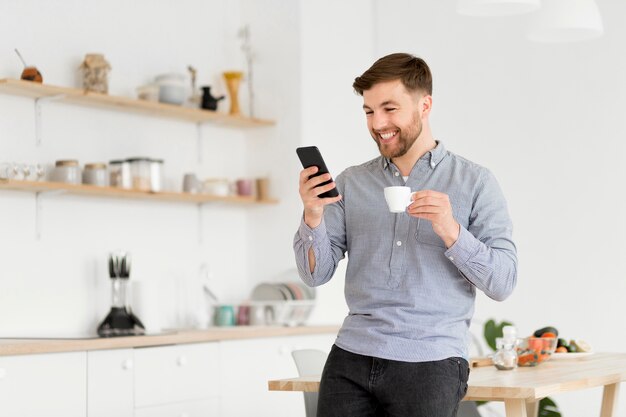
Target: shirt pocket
{"x":425,"y":233}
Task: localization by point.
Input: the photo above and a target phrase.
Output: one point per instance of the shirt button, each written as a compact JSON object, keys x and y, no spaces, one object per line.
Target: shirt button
{"x":399,"y":243}
{"x":397,"y":174}
{"x":451,"y":258}
{"x":432,"y":164}
{"x":310,"y":237}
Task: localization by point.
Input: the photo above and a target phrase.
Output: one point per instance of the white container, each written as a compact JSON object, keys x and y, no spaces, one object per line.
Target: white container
{"x":216,"y":186}
{"x":140,"y":170}
{"x":95,"y":174}
{"x":172,"y":89}
{"x":119,"y":174}
{"x":67,"y":171}
{"x":156,"y":175}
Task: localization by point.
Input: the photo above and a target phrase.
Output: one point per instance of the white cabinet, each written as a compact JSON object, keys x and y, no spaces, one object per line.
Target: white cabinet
{"x":204,"y":408}
{"x":247,"y":365}
{"x":208,"y":379}
{"x":178,"y":373}
{"x":46,"y":385}
{"x":110,"y":378}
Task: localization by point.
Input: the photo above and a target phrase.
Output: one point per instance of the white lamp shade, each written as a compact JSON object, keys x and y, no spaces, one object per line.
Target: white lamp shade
{"x":496,"y":7}
{"x":566,"y":21}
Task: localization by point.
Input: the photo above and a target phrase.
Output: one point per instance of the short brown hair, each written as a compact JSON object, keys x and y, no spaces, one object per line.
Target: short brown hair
{"x":411,"y":70}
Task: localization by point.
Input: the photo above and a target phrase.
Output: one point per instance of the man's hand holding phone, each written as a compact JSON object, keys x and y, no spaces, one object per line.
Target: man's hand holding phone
{"x":310,"y":189}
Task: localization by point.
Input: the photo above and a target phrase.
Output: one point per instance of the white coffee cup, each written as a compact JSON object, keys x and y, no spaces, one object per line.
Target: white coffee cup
{"x":398,"y":198}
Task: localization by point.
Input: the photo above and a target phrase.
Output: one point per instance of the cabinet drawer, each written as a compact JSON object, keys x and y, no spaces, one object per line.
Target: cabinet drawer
{"x":110,"y":383}
{"x":177,"y":373}
{"x":204,"y":408}
{"x":47,"y":385}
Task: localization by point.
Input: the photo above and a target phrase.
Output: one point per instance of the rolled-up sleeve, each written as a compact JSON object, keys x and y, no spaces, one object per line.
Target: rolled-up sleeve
{"x":485,"y":253}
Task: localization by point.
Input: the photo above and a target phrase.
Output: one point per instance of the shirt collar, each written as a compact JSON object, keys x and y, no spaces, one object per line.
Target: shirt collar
{"x":434,"y":156}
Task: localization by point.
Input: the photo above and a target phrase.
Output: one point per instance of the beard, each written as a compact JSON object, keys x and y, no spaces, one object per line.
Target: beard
{"x":406,"y":139}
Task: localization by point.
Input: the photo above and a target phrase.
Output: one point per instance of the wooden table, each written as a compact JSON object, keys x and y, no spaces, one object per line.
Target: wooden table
{"x":521,"y":389}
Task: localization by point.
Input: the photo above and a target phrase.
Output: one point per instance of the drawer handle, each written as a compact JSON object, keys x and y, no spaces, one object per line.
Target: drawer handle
{"x":127,"y":365}
{"x":3,"y":373}
{"x":181,"y":361}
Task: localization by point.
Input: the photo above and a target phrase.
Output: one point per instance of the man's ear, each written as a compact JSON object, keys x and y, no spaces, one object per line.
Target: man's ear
{"x":426,"y":104}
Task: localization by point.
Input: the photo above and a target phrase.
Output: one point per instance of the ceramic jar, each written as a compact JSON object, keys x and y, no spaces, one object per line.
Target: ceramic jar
{"x":67,"y":171}
{"x":95,"y":174}
{"x":171,"y":88}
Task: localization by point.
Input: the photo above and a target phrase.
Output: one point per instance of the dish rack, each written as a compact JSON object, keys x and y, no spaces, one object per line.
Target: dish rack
{"x":286,"y":313}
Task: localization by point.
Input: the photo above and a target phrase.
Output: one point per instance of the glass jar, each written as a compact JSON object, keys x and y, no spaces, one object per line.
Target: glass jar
{"x":95,"y":174}
{"x":140,"y":173}
{"x":119,"y":174}
{"x":505,"y":358}
{"x":67,"y":171}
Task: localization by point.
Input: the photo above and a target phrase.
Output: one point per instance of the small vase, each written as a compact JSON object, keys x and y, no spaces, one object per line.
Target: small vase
{"x":233,"y":80}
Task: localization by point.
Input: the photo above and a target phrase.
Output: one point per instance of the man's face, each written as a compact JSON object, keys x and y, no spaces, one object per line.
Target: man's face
{"x":393,"y":117}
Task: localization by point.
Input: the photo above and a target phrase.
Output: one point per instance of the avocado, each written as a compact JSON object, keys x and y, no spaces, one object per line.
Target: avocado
{"x":562,"y":342}
{"x":549,"y":329}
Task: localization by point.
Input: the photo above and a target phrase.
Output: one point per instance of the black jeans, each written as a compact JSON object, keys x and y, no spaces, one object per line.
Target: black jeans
{"x":362,"y":386}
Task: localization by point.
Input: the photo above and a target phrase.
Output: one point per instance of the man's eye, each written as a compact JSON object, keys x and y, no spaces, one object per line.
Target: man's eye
{"x":368,"y":112}
{"x":391,"y":109}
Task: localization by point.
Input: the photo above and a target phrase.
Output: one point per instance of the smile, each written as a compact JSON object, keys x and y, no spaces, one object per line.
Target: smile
{"x":387,"y":136}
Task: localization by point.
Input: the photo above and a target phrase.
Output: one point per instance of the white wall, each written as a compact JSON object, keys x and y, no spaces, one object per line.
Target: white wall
{"x":59,"y":284}
{"x":546,"y":120}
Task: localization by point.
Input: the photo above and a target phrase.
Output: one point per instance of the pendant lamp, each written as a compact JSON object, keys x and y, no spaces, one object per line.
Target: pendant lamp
{"x":566,"y":21}
{"x":496,"y":7}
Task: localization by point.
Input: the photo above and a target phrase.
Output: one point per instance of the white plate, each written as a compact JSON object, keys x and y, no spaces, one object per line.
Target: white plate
{"x":572,"y":355}
{"x":268,"y":292}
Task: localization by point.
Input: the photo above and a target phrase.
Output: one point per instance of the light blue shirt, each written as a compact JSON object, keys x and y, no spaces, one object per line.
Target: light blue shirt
{"x":409,"y":298}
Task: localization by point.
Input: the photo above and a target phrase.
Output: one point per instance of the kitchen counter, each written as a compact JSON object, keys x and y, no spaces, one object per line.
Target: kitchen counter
{"x":50,"y":345}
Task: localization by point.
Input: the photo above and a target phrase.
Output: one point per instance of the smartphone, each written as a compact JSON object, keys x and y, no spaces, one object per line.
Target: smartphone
{"x":311,"y":156}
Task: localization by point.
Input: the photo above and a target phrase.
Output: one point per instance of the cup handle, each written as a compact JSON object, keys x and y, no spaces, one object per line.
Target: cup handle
{"x":410,"y":199}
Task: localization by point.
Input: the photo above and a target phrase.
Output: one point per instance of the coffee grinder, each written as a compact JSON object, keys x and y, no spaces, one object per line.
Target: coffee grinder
{"x":120,"y":321}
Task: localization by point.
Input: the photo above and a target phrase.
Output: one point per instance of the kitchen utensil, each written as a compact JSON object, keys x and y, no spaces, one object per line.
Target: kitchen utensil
{"x":120,"y":321}
{"x":208,"y":101}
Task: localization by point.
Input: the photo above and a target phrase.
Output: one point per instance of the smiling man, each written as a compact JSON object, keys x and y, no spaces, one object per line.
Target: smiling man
{"x":411,"y":278}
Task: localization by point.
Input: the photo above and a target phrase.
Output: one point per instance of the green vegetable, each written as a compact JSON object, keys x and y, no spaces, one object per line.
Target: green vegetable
{"x":549,"y":329}
{"x":572,"y":348}
{"x":562,"y":342}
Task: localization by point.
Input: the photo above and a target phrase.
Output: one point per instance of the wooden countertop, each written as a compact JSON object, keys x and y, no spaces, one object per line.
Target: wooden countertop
{"x":31,"y":346}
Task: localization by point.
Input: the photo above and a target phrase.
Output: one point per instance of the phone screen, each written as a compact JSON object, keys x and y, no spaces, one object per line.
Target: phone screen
{"x":311,"y":156}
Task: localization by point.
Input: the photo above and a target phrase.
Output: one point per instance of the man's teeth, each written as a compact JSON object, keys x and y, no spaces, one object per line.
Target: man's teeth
{"x":387,"y":135}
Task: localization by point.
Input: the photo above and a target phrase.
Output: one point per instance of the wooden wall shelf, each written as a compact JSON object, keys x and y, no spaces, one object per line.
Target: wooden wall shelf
{"x":112,"y":192}
{"x":125,"y":104}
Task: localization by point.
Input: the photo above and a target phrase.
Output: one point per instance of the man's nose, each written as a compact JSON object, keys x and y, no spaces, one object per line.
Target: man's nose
{"x":379,"y":121}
